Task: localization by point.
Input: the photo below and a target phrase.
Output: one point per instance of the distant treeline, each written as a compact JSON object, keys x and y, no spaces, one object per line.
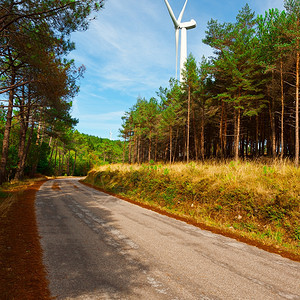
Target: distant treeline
{"x":69,"y":153}
{"x":243,"y":102}
{"x":77,"y":153}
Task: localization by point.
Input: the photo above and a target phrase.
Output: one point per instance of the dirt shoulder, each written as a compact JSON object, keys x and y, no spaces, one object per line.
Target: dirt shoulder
{"x":22,"y":273}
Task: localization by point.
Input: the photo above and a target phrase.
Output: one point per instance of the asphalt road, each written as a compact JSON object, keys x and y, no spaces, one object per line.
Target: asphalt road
{"x":99,"y":247}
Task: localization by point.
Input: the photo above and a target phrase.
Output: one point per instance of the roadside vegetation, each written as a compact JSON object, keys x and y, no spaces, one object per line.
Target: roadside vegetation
{"x":253,"y":200}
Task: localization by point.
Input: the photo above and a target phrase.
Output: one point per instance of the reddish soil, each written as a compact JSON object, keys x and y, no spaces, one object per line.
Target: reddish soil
{"x":221,"y":231}
{"x":22,"y":273}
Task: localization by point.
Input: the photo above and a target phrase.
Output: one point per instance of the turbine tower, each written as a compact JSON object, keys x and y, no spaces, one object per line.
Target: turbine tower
{"x":183,"y":43}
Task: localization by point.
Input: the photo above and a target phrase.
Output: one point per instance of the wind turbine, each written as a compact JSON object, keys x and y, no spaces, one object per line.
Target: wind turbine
{"x":183,"y":43}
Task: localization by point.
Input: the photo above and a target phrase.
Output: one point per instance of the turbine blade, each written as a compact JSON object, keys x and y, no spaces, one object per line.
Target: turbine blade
{"x":176,"y":24}
{"x":182,"y":11}
{"x":177,"y":41}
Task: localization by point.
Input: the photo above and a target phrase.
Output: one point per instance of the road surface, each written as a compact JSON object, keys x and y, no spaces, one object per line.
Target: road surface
{"x":100,"y":247}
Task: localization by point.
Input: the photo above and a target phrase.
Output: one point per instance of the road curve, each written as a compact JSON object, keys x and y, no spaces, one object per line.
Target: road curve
{"x":100,"y":247}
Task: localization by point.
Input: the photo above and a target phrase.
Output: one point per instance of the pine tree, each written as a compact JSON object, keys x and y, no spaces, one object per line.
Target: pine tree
{"x":171,"y":111}
{"x":293,"y":35}
{"x":190,"y":85}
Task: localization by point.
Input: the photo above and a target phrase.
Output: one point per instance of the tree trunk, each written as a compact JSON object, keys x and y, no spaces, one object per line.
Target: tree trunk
{"x":188,"y":127}
{"x":124,"y":149}
{"x":138,"y":149}
{"x":273,"y":129}
{"x":62,"y":162}
{"x":28,"y":147}
{"x":51,"y":154}
{"x":129,"y":149}
{"x":282,"y":111}
{"x":24,"y":119}
{"x":21,"y":154}
{"x":175,"y":146}
{"x":171,"y":138}
{"x":297,"y":109}
{"x":55,"y":157}
{"x":242,"y":147}
{"x":225,"y":132}
{"x":74,"y":164}
{"x":59,"y":162}
{"x":221,"y":131}
{"x":37,"y":143}
{"x":202,"y":134}
{"x":195,"y":137}
{"x":149,"y":147}
{"x":155,"y":151}
{"x":68,"y":163}
{"x":237,"y":133}
{"x":256,"y":137}
{"x":134,"y":159}
{"x":6,"y":136}
{"x":38,"y":134}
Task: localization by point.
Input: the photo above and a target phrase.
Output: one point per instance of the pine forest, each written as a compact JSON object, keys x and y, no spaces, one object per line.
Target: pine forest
{"x":241,"y":103}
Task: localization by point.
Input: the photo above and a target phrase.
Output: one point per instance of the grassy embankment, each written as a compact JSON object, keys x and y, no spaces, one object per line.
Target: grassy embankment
{"x":253,"y":201}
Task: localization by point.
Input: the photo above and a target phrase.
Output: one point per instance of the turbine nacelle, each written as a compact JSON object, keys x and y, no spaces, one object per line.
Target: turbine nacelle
{"x":188,"y":25}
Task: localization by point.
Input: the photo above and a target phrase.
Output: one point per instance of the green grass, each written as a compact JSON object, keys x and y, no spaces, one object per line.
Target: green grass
{"x":256,"y":200}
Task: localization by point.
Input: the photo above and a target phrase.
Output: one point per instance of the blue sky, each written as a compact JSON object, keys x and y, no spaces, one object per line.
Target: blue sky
{"x":129,"y":51}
